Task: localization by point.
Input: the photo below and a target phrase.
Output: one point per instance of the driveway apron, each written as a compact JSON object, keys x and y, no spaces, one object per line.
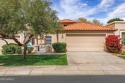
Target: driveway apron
{"x":86,"y":58}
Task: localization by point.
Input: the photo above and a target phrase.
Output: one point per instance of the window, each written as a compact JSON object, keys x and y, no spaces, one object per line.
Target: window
{"x":33,"y":41}
{"x":123,"y":38}
{"x":48,"y":40}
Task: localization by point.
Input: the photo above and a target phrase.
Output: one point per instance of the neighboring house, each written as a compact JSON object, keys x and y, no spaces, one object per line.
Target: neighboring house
{"x":79,"y":36}
{"x":120,"y":25}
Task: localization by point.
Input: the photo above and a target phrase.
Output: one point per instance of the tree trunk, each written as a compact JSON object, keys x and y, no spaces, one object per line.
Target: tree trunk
{"x":57,"y":35}
{"x":25,"y":52}
{"x":5,"y":41}
{"x":17,"y":41}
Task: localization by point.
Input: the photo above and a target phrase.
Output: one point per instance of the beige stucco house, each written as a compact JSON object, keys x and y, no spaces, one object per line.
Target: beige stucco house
{"x":120,"y":25}
{"x":79,"y":36}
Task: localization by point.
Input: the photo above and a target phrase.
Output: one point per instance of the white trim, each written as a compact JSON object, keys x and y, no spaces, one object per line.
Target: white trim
{"x":106,"y":34}
{"x":121,"y":35}
{"x":116,"y":22}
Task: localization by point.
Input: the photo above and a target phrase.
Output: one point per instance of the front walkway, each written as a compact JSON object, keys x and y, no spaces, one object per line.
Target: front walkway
{"x":80,"y":63}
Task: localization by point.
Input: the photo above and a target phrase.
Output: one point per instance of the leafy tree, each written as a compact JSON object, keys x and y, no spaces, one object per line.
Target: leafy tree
{"x":94,"y":21}
{"x":97,"y":22}
{"x":27,"y":17}
{"x":81,"y":19}
{"x":115,"y":19}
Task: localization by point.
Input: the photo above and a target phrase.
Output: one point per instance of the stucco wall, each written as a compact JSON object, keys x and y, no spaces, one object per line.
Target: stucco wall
{"x":89,"y":32}
{"x":119,"y":25}
{"x":62,"y":37}
{"x":111,"y":25}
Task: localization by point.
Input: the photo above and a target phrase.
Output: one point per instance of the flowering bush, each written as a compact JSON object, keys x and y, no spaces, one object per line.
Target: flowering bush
{"x":113,"y":44}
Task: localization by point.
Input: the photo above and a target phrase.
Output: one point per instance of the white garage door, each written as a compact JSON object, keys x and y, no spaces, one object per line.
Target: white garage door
{"x":78,"y":42}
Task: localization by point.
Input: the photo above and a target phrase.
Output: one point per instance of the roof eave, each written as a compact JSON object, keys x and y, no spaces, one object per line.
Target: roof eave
{"x":90,"y":30}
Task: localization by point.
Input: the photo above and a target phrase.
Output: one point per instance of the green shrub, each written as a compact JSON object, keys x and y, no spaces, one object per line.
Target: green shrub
{"x":59,"y":47}
{"x":123,"y":53}
{"x":11,"y":48}
{"x":30,"y":49}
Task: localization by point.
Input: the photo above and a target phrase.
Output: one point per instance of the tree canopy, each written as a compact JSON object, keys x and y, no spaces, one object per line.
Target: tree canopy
{"x":30,"y":17}
{"x":81,"y":19}
{"x":115,"y":19}
{"x":97,"y":22}
{"x":94,"y":21}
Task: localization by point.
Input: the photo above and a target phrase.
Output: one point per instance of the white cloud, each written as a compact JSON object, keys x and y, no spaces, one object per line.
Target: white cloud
{"x":70,"y":1}
{"x":73,"y":9}
{"x":106,"y":3}
{"x":83,"y":4}
{"x":119,"y":12}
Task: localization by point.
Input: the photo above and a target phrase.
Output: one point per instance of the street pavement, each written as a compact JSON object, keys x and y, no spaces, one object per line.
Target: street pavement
{"x":64,"y":79}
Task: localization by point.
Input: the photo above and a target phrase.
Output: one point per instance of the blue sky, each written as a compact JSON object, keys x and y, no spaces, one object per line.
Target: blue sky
{"x":102,"y":10}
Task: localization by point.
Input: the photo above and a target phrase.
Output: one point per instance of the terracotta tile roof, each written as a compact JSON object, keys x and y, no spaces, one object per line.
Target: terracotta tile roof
{"x":67,"y":20}
{"x":87,"y":26}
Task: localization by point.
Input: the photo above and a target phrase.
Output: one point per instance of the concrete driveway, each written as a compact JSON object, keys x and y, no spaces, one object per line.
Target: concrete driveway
{"x":100,"y":58}
{"x":97,"y":62}
{"x":80,"y":63}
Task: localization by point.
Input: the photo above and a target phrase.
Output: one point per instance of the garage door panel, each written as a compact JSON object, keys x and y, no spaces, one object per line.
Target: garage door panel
{"x":85,"y":42}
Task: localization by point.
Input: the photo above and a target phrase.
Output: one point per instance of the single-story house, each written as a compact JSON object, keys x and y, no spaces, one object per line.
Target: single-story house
{"x":120,"y":25}
{"x":80,"y":36}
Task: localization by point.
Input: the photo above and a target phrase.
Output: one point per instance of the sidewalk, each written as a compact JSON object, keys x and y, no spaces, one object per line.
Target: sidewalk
{"x":87,"y":69}
{"x":80,"y":63}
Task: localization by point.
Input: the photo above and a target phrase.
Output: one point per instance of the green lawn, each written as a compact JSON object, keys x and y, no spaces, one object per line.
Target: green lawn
{"x":33,"y":60}
{"x":122,"y":57}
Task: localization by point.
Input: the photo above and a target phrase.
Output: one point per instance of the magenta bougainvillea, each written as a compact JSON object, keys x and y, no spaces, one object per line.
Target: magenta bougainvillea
{"x":113,"y":43}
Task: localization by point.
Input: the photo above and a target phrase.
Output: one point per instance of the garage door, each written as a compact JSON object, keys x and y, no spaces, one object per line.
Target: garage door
{"x":78,"y":42}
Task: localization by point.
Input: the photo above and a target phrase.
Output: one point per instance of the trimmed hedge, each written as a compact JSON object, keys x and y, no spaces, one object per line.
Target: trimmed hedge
{"x":59,"y":47}
{"x":11,"y":48}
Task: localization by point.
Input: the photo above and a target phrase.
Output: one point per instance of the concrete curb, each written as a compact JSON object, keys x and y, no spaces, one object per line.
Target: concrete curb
{"x":58,"y":70}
